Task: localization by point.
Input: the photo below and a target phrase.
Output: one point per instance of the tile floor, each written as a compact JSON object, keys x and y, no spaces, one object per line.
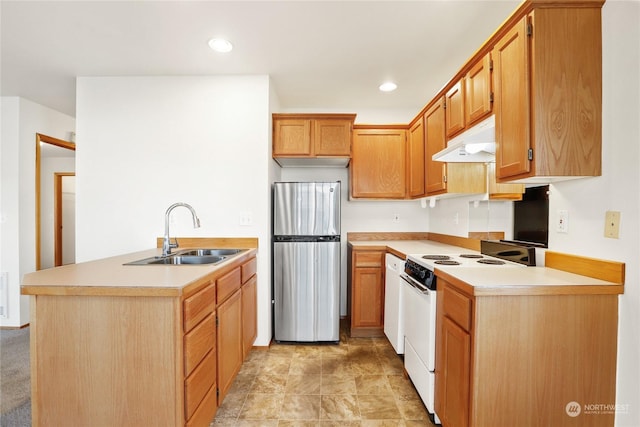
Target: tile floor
{"x":358,"y":382}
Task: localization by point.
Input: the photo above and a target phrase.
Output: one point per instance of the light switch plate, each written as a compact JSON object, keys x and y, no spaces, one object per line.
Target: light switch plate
{"x":612,"y":224}
{"x":246,"y":219}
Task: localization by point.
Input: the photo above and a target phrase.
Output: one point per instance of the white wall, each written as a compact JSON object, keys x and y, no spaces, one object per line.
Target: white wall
{"x":458,"y":216}
{"x":21,"y":120}
{"x":147,"y":142}
{"x":366,"y":115}
{"x":617,"y":189}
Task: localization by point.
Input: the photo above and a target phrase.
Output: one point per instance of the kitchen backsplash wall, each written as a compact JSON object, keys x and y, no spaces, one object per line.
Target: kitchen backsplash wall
{"x":460,"y":216}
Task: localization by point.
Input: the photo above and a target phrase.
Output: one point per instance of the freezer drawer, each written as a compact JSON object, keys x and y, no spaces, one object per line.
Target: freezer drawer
{"x":306,"y":279}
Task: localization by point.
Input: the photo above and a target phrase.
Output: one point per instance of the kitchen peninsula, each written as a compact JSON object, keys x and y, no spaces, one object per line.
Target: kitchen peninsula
{"x":513,"y":346}
{"x":130,"y":345}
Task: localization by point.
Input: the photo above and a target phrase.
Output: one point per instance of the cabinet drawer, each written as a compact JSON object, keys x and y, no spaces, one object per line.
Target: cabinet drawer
{"x":206,"y":411}
{"x":249,"y":268}
{"x":198,"y":383}
{"x":457,"y":307}
{"x":228,"y":284}
{"x":368,"y":259}
{"x":199,"y":306}
{"x":198,"y":342}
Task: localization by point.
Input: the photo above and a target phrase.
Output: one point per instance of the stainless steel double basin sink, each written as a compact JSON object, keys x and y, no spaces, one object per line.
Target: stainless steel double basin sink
{"x":190,"y":257}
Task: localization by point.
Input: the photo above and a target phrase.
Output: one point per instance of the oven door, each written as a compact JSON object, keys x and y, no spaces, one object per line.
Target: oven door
{"x":420,"y":333}
{"x":420,"y":319}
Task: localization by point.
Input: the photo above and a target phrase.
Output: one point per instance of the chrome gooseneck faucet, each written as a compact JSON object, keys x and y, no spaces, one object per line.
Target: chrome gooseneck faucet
{"x":166,"y":243}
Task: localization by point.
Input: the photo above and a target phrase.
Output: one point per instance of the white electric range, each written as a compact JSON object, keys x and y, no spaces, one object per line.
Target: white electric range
{"x":419,"y":293}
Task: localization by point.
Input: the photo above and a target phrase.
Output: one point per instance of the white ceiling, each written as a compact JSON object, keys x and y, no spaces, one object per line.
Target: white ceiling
{"x":321,"y":55}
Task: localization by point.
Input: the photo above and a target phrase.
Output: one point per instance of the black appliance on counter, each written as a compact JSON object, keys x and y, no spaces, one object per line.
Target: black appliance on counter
{"x":510,"y":251}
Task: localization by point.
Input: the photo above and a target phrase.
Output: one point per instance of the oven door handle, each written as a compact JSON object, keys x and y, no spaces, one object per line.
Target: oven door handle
{"x":418,"y":286}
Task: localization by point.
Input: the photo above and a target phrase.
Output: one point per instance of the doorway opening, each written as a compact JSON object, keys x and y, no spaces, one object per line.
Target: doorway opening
{"x":64,"y":218}
{"x":53,"y":156}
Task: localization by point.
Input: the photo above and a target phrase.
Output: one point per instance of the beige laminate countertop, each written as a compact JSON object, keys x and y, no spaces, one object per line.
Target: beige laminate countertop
{"x":497,"y":281}
{"x":525,"y":281}
{"x":109,"y":276}
{"x":402,"y":248}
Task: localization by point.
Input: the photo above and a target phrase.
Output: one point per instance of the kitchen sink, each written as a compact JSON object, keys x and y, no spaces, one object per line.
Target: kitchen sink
{"x":209,"y":252}
{"x":189,"y":257}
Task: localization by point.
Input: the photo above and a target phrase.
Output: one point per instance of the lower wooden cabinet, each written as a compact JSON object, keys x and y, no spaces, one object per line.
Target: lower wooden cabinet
{"x":249,"y":315}
{"x":366,"y":293}
{"x":454,"y":358}
{"x":144,"y":356}
{"x":237,"y":323}
{"x":229,"y":342}
{"x":519,"y":359}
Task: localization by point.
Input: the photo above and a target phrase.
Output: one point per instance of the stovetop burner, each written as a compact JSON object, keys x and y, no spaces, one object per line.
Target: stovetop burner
{"x":436,"y":257}
{"x":446,"y":262}
{"x":491,"y":261}
{"x":471,"y":256}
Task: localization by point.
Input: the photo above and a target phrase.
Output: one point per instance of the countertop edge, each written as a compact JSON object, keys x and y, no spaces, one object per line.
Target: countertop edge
{"x":179,"y":287}
{"x":532,"y":289}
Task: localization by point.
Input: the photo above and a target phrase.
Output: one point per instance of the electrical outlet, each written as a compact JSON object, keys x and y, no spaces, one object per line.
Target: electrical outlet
{"x":396,"y":217}
{"x":612,"y":224}
{"x":563,"y":221}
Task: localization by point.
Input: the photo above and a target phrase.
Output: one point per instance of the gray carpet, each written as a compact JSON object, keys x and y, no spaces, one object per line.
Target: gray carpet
{"x":15,"y":382}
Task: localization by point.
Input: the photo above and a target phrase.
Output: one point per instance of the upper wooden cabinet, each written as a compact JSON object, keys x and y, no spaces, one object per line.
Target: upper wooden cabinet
{"x":379,"y":163}
{"x":469,"y":99}
{"x":477,"y":93}
{"x":454,"y":108}
{"x":291,"y":137}
{"x":416,"y":159}
{"x":502,"y":191}
{"x":448,"y":178}
{"x":298,"y":139}
{"x":435,"y":140}
{"x":548,"y":95}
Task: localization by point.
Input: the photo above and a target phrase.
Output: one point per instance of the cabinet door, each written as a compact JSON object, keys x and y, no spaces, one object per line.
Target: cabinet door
{"x":453,"y":408}
{"x":477,"y":94}
{"x":368,"y":297}
{"x":512,"y":102}
{"x":378,"y":166}
{"x":249,"y":315}
{"x":332,"y":137}
{"x":435,"y":140}
{"x":291,"y":137}
{"x":416,"y":159}
{"x":455,"y":108}
{"x":229,"y":342}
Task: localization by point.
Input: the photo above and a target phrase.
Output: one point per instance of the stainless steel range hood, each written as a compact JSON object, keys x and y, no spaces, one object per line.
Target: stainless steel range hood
{"x":476,"y":145}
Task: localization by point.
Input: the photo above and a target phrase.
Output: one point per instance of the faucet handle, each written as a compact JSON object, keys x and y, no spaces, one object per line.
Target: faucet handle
{"x":173,"y":245}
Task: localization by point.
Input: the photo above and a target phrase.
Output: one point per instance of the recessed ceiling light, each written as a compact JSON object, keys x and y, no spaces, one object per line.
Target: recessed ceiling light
{"x":220,"y":45}
{"x":388,"y":87}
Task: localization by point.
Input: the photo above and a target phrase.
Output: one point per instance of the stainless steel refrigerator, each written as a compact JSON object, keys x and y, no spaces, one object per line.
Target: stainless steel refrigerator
{"x":306,"y":261}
